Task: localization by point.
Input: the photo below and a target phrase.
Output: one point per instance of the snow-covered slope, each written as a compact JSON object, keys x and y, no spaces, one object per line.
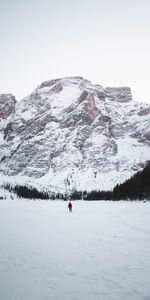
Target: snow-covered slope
{"x":70,"y":134}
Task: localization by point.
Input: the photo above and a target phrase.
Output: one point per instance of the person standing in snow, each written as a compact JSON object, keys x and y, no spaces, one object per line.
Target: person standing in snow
{"x":70,"y":206}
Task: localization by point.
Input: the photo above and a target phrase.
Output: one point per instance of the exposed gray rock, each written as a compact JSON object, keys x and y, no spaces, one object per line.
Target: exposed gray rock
{"x":120,"y":94}
{"x":7,"y":105}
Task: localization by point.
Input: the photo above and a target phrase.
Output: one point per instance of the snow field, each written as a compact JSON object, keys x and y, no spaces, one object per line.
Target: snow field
{"x":100,"y":251}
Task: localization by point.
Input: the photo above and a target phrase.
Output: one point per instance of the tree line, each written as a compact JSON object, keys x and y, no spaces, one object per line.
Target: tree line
{"x":137,"y":187}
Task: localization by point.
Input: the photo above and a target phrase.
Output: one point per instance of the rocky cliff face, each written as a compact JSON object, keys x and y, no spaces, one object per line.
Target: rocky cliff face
{"x":7,"y":105}
{"x":71,"y":134}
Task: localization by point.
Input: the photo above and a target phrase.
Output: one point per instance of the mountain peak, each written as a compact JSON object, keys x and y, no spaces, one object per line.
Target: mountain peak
{"x":72,"y":134}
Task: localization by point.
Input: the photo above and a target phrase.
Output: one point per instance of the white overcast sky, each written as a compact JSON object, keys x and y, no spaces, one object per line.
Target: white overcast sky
{"x":105,"y":41}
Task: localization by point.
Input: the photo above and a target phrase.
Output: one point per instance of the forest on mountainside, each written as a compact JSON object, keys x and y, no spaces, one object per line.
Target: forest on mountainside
{"x":137,"y":187}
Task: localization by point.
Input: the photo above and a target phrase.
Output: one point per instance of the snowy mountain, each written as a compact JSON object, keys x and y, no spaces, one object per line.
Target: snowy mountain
{"x":71,"y":134}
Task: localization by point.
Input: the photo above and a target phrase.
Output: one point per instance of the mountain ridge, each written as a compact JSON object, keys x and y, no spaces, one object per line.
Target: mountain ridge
{"x":70,"y":134}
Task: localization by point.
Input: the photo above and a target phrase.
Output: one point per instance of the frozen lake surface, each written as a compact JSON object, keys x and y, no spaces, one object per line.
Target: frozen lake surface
{"x":100,"y":251}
